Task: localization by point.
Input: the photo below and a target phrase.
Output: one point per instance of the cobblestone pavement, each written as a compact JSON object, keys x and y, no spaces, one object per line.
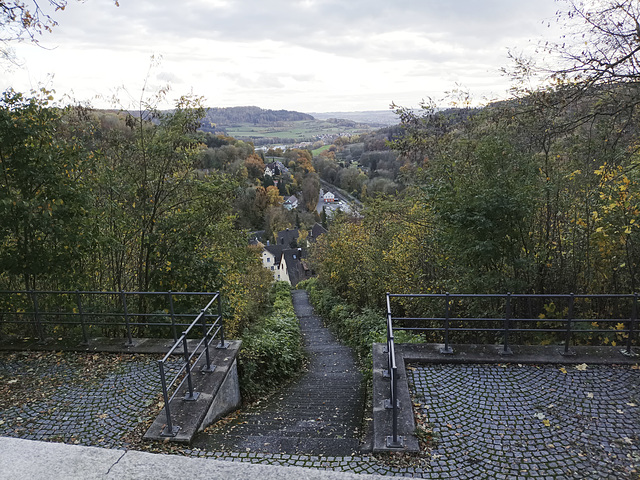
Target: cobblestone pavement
{"x":499,"y":421}
{"x":83,"y":399}
{"x":490,"y":421}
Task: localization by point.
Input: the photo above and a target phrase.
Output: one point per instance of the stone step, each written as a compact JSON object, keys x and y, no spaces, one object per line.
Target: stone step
{"x":282,"y":444}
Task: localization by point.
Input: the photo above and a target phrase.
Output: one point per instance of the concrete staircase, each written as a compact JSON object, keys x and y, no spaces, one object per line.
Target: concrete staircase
{"x":320,"y":413}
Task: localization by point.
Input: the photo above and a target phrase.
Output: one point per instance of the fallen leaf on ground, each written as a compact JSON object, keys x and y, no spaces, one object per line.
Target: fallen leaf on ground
{"x":582,"y":367}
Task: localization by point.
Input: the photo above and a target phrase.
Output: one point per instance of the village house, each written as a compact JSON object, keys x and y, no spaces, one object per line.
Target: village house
{"x":290,"y":202}
{"x":329,"y":197}
{"x":285,"y":259}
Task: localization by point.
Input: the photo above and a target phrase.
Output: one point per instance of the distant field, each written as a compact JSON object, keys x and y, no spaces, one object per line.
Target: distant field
{"x":318,"y":151}
{"x":305,"y":130}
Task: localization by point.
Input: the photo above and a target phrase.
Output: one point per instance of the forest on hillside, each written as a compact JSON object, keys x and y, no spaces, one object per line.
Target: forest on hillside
{"x":537,"y":194}
{"x":254,"y":115}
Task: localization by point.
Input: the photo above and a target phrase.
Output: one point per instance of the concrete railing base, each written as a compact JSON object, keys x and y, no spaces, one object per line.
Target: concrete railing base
{"x":219,"y":394}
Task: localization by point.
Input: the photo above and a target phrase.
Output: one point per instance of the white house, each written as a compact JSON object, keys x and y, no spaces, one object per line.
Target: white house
{"x":290,"y":202}
{"x":329,"y":197}
{"x":271,"y":256}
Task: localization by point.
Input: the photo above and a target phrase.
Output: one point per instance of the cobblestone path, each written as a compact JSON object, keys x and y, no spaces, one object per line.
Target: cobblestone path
{"x":319,"y":414}
{"x":510,"y":422}
{"x":59,"y":399}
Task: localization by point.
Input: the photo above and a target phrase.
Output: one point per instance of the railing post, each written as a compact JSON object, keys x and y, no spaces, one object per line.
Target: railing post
{"x":36,"y":316}
{"x":173,"y":317}
{"x":169,"y":430}
{"x":507,"y":318}
{"x":447,"y":349}
{"x":123,"y":298}
{"x":191,"y":396}
{"x":205,"y":335}
{"x":85,"y":338}
{"x":632,"y":324}
{"x":567,"y":339}
{"x":222,"y":345}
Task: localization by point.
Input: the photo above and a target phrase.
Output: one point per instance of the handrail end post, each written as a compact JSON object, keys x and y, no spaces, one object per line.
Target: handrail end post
{"x":397,"y":443}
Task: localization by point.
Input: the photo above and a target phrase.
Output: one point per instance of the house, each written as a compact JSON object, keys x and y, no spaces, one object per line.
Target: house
{"x":315,"y":232}
{"x":257,"y":237}
{"x":271,"y":256}
{"x":274,"y":169}
{"x":329,"y":197}
{"x":292,"y":268}
{"x":271,"y":169}
{"x":285,"y":259}
{"x":290,"y":202}
{"x":288,"y":238}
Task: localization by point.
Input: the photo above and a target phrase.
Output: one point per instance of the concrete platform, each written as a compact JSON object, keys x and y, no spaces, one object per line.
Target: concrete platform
{"x":464,"y":354}
{"x":57,"y":461}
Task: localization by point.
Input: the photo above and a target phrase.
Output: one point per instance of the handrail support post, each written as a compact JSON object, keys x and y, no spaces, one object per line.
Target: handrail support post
{"x":447,"y":350}
{"x":85,"y":337}
{"x":506,"y":350}
{"x":123,"y":299}
{"x":567,"y":339}
{"x":191,"y":396}
{"x":222,"y":345}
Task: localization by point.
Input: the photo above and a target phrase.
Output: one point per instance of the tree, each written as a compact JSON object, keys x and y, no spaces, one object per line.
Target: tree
{"x":255,"y":166}
{"x":311,"y":191}
{"x":602,"y":44}
{"x":45,"y":202}
{"x":274,"y":199}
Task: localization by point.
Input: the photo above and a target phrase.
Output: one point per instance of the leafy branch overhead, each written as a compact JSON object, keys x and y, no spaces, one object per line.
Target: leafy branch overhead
{"x":28,"y":20}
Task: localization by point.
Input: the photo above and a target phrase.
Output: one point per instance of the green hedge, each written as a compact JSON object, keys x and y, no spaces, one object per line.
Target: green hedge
{"x":272,"y":351}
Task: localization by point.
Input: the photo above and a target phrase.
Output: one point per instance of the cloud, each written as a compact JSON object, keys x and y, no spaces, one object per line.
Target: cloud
{"x":288,"y":52}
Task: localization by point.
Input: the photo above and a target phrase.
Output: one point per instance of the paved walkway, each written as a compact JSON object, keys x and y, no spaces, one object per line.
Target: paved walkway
{"x":541,"y":422}
{"x":319,"y":414}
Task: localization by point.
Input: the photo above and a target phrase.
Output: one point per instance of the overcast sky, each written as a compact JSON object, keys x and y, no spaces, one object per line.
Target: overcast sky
{"x":305,"y":55}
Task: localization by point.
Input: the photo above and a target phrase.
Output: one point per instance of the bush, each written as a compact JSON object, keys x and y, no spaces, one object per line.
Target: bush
{"x":272,"y":350}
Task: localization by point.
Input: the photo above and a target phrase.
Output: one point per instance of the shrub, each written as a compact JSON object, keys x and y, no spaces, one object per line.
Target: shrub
{"x":272,"y":350}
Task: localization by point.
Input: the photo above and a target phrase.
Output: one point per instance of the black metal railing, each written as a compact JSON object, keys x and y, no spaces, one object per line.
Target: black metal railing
{"x":393,"y":441}
{"x":533,"y":319}
{"x":86,"y":312}
{"x":189,"y":359}
{"x":529,"y":318}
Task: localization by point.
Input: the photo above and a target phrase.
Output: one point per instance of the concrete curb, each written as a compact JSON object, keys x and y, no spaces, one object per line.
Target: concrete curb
{"x":58,"y":461}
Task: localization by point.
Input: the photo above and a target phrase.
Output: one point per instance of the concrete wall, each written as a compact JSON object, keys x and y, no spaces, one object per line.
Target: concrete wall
{"x":226,"y":400}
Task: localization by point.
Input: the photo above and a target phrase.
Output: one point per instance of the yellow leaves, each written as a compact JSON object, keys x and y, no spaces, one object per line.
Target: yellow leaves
{"x":620,"y":326}
{"x":562,"y":370}
{"x":582,"y":367}
{"x":546,"y":423}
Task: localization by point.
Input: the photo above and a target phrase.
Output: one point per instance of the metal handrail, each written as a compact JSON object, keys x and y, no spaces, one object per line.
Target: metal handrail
{"x":37,"y":316}
{"x":189,"y":359}
{"x":509,"y":326}
{"x":393,"y":441}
